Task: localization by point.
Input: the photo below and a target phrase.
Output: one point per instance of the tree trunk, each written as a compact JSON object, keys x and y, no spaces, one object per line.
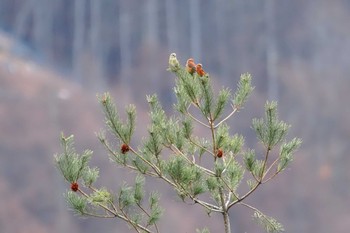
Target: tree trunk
{"x":227,"y":222}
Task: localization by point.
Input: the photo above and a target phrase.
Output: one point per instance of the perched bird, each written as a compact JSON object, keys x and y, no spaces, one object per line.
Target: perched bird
{"x":199,"y":69}
{"x":190,"y":66}
{"x":174,"y":64}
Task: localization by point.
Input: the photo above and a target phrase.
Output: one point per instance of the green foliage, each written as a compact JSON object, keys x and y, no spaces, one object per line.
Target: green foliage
{"x":126,"y":198}
{"x":269,"y":224}
{"x":259,"y":168}
{"x":121,"y":130}
{"x":227,"y":143}
{"x":205,"y":230}
{"x":72,"y":165}
{"x":77,"y":203}
{"x":222,"y":136}
{"x":214,"y":186}
{"x":187,"y":128}
{"x":152,"y":145}
{"x":222,"y":100}
{"x":206,"y":105}
{"x":270,"y":130}
{"x":90,"y":175}
{"x":100,"y":196}
{"x":188,"y":178}
{"x":249,"y":160}
{"x":138,"y":191}
{"x":204,"y":170}
{"x":244,"y":89}
{"x":233,"y":174}
{"x":286,"y":153}
{"x":156,"y":210}
{"x":235,"y":143}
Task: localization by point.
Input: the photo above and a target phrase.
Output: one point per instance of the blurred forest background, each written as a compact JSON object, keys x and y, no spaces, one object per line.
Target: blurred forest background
{"x":56,"y":55}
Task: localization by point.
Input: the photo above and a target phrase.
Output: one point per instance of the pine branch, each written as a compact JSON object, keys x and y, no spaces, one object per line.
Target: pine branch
{"x":170,"y":150}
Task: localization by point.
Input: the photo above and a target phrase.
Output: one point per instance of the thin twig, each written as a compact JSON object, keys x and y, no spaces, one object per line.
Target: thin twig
{"x":132,"y":223}
{"x":267,"y":170}
{"x":99,"y":215}
{"x":99,"y":204}
{"x":197,"y":120}
{"x":173,"y":147}
{"x":206,"y":205}
{"x":274,"y":162}
{"x":202,"y":147}
{"x":227,"y":117}
{"x":228,"y":198}
{"x":230,"y":189}
{"x":275,"y":174}
{"x":143,"y":210}
{"x":259,"y":182}
{"x":109,"y":149}
{"x":114,"y":127}
{"x":264,"y":165}
{"x":271,"y":177}
{"x":244,"y":196}
{"x":155,"y":168}
{"x":212,"y":130}
{"x":255,"y":209}
{"x":255,"y":178}
{"x":250,"y":207}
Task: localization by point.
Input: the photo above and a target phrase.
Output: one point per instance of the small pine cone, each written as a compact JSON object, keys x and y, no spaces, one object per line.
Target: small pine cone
{"x":219,"y":153}
{"x":74,"y":186}
{"x":190,"y":66}
{"x":199,"y":69}
{"x":124,"y":148}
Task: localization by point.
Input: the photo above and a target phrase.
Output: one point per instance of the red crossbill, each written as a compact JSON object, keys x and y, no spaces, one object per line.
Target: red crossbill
{"x":199,"y":69}
{"x":191,"y":66}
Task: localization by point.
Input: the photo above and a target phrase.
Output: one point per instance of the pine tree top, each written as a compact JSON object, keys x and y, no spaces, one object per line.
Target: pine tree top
{"x":206,"y":170}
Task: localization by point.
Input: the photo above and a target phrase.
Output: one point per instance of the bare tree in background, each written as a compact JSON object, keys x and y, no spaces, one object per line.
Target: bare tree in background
{"x":43,"y":30}
{"x":78,"y":39}
{"x":22,"y":18}
{"x":41,"y":12}
{"x":152,"y":40}
{"x":271,"y":49}
{"x":171,"y":28}
{"x":124,"y":31}
{"x":222,"y":39}
{"x":96,"y":76}
{"x":195,"y":28}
